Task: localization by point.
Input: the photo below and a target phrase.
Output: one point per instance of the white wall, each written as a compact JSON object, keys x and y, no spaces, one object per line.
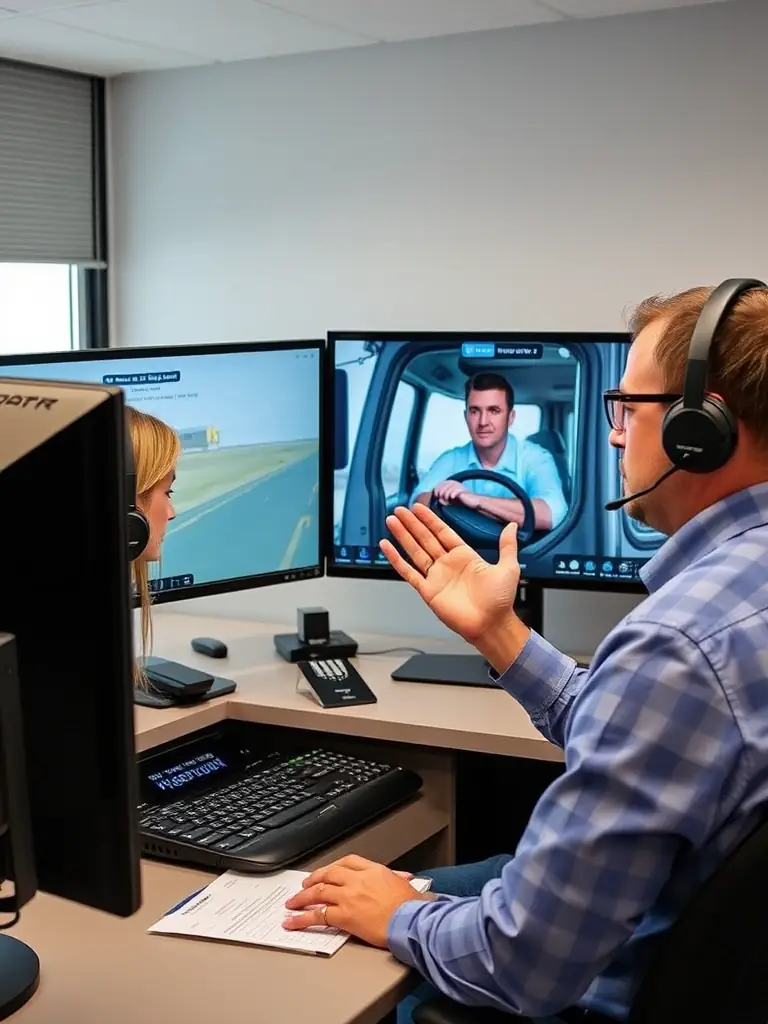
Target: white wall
{"x":539,"y":178}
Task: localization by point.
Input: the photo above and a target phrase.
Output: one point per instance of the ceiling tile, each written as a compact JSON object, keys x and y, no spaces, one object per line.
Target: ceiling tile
{"x":59,"y":46}
{"x":598,"y":8}
{"x":217,"y":29}
{"x":36,"y":6}
{"x":393,"y":20}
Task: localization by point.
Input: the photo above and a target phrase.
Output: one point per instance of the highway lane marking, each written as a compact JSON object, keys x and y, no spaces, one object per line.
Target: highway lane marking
{"x":207,"y":511}
{"x":293,"y":543}
{"x":232,"y":496}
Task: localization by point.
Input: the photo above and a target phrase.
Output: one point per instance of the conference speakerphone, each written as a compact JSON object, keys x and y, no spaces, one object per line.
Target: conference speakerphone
{"x":218,"y":798}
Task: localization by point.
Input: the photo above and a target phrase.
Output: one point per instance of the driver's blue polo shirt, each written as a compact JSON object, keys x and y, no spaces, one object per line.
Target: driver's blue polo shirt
{"x":525,"y":462}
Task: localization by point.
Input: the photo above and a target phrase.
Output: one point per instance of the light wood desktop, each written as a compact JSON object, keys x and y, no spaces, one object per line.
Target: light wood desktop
{"x":444,"y":717}
{"x":95,"y":968}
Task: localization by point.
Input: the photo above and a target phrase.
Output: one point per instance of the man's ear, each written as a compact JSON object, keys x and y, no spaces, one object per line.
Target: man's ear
{"x":511,"y":419}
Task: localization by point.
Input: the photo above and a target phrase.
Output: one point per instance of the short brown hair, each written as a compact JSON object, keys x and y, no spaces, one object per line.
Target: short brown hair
{"x":738,"y":370}
{"x":490,"y":382}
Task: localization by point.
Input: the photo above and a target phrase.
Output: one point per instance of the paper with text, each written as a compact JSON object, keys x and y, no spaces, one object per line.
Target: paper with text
{"x":251,"y":909}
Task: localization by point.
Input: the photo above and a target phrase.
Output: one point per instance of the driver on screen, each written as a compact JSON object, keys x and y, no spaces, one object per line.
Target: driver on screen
{"x":490,"y":413}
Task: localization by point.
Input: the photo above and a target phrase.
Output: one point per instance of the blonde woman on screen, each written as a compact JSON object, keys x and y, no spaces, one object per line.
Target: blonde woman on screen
{"x":156,"y":449}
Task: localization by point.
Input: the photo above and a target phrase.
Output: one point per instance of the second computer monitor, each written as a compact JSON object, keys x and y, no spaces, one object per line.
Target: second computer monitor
{"x":420,"y":417}
{"x":246,"y":490}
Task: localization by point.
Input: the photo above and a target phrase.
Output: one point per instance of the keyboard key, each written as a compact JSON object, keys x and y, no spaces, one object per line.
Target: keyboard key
{"x":161,"y":825}
{"x":252,"y":833}
{"x":324,"y":785}
{"x":195,"y":835}
{"x":229,"y":843}
{"x":297,"y":811}
{"x":209,"y":840}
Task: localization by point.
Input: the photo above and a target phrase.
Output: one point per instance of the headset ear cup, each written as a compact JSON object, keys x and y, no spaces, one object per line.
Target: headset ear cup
{"x":669,"y":432}
{"x":699,"y":440}
{"x":138,"y":534}
{"x":727,"y":429}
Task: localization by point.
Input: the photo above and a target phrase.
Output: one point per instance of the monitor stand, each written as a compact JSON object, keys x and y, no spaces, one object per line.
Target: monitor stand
{"x":471,"y":669}
{"x":19,"y":975}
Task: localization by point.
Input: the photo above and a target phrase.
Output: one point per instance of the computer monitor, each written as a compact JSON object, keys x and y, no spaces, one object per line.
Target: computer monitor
{"x":400,"y":425}
{"x":246,"y":491}
{"x":65,"y":599}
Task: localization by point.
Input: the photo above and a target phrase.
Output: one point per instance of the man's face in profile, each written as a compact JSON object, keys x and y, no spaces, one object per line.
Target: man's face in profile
{"x":488,"y":418}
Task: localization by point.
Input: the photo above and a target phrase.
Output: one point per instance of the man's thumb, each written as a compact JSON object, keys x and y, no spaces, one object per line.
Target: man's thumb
{"x":508,"y":545}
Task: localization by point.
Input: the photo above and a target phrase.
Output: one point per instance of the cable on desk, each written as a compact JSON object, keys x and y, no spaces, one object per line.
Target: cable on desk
{"x":8,"y":906}
{"x":391,"y":650}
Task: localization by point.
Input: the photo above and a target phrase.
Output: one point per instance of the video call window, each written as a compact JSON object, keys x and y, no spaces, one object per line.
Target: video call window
{"x":484,"y":431}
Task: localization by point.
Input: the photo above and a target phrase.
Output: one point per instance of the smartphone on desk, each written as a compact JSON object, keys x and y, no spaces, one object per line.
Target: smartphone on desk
{"x":336,"y":682}
{"x":179,"y":681}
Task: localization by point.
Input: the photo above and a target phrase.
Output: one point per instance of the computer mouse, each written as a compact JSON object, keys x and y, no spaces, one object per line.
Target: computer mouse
{"x":209,"y":646}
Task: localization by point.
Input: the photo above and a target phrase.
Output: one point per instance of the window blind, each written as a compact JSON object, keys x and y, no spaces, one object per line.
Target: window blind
{"x":47,"y":173}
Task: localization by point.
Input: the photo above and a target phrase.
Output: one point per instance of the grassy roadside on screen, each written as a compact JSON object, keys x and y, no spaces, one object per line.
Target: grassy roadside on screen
{"x":206,"y":475}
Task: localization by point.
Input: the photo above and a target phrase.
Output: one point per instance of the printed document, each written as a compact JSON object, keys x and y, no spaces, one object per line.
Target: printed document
{"x":251,"y":909}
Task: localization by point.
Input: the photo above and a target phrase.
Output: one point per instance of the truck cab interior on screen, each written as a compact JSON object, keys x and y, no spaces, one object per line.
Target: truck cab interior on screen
{"x":401,"y":415}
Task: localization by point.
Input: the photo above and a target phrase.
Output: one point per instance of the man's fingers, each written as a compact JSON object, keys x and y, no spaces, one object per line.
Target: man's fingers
{"x":330,"y":872}
{"x":355,"y":862}
{"x":318,"y":875}
{"x":508,"y":545}
{"x":419,"y":557}
{"x":423,"y":536}
{"x":314,"y":895}
{"x":447,"y":537}
{"x":401,"y":567}
{"x":317,"y":917}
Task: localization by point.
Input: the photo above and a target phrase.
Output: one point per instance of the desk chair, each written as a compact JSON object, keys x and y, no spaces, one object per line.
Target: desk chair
{"x":711,"y":967}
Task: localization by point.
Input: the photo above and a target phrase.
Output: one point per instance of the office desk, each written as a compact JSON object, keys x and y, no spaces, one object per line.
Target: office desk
{"x":96,"y":969}
{"x":445,"y":717}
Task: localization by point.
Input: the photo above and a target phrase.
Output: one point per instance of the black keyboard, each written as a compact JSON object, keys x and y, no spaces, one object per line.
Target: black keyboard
{"x":215,"y":800}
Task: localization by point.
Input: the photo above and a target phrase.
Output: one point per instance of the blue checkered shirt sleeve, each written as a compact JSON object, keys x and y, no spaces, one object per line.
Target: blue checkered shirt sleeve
{"x":650,"y":746}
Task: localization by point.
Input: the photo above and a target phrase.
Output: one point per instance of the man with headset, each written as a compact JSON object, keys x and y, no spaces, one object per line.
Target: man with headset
{"x":665,"y":736}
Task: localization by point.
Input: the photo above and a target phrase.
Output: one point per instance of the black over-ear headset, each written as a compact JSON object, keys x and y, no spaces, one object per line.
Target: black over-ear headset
{"x":699,"y":432}
{"x":138,"y":524}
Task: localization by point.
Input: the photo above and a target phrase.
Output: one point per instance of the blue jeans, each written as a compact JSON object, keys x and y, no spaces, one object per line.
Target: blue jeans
{"x":462,"y":880}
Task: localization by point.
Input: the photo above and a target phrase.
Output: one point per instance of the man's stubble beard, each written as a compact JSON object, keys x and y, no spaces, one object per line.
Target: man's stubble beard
{"x":636,"y":511}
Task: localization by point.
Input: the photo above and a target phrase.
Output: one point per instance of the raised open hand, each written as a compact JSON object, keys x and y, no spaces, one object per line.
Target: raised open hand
{"x":468,"y":594}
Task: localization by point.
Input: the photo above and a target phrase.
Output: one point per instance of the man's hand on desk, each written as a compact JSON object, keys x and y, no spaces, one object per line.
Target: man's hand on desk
{"x":360,"y":896}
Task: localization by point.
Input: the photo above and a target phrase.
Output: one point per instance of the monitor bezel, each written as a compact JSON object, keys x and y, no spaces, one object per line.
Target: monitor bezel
{"x":314,"y":571}
{"x":333,"y":570}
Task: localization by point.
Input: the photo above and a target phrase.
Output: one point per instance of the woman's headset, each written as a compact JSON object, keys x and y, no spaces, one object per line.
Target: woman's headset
{"x":699,"y":432}
{"x":138,"y":524}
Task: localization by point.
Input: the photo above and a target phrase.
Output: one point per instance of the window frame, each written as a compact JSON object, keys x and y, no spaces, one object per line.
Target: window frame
{"x":89,"y":295}
{"x":412,"y":412}
{"x":93,"y":284}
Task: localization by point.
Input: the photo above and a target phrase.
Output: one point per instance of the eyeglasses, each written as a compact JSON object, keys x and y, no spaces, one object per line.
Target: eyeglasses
{"x":616,"y":399}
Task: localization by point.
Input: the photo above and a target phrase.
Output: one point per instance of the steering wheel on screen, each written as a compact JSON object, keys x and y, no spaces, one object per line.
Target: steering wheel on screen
{"x":477,"y":529}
